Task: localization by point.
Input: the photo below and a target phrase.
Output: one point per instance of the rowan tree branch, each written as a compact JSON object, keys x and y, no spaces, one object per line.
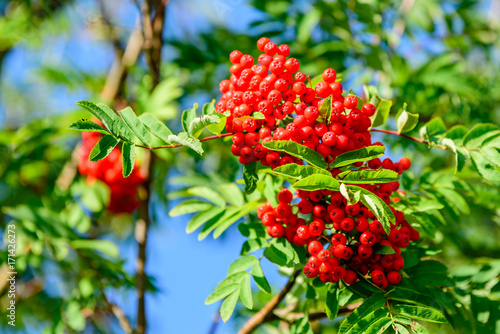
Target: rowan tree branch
{"x":179,"y":145}
{"x":418,"y":140}
{"x":258,"y":318}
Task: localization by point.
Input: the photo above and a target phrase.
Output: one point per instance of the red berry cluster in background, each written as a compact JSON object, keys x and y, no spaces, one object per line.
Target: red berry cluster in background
{"x":342,"y":239}
{"x":123,"y":197}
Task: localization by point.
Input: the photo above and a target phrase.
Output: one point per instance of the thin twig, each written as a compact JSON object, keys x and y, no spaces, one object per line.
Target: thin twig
{"x":119,"y":69}
{"x":418,"y":140}
{"x":179,"y":145}
{"x":258,"y":318}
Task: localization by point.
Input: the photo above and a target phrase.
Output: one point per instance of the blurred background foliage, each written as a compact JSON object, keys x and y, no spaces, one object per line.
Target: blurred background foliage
{"x":441,"y":57}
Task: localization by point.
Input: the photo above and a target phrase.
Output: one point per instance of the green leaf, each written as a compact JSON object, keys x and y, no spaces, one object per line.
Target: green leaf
{"x":201,"y":218}
{"x":420,"y":313}
{"x":383,"y":250}
{"x":383,"y":107}
{"x":184,"y":140}
{"x":428,"y":267}
{"x":434,"y":280}
{"x":208,"y":194}
{"x":216,"y":221}
{"x":209,"y":108}
{"x":368,"y":176}
{"x":240,"y":213}
{"x":242,"y":264}
{"x":378,"y":326}
{"x":128,"y":157}
{"x":362,"y":154}
{"x":250,"y":177}
{"x":252,"y":230}
{"x":103,"y":148}
{"x":136,"y":126}
{"x":260,"y":278}
{"x":231,"y":193}
{"x":432,"y":131}
{"x":317,"y":182}
{"x":325,"y":110}
{"x":332,"y":302}
{"x":218,"y":127}
{"x":456,"y":133}
{"x":156,"y":127}
{"x":406,"y":121}
{"x":227,"y":308}
{"x":188,"y":116}
{"x":296,"y":171}
{"x":302,"y":327}
{"x":400,"y":329}
{"x":246,"y":292}
{"x":370,"y":320}
{"x":412,"y":297}
{"x":221,"y":292}
{"x":461,"y":154}
{"x":299,"y":151}
{"x":86,"y":125}
{"x":374,"y":302}
{"x":101,"y":115}
{"x":199,"y":123}
{"x":352,"y":197}
{"x":381,"y":210}
{"x":123,"y":130}
{"x":106,"y":247}
{"x":479,"y":133}
{"x":485,"y":167}
{"x":280,"y":252}
{"x":189,"y":206}
{"x":252,"y":245}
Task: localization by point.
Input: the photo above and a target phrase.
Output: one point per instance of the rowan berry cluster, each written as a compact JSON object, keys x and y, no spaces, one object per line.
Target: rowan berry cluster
{"x":342,"y":238}
{"x":123,"y":198}
{"x":276,"y":89}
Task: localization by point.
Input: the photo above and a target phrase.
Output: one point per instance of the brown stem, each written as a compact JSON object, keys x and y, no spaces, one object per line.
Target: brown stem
{"x":153,"y":32}
{"x":258,"y":318}
{"x":418,"y":140}
{"x":119,"y":69}
{"x":179,"y":145}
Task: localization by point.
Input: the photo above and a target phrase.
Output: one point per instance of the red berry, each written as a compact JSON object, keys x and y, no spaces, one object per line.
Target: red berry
{"x":270,"y":49}
{"x":351,"y":101}
{"x":277,"y":231}
{"x":285,"y":196}
{"x":284,"y":50}
{"x":235,"y":56}
{"x":261,"y":43}
{"x":316,"y":227}
{"x":329,"y":75}
{"x":394,"y":277}
{"x":368,"y":109}
{"x":314,"y":247}
{"x":367,"y":238}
